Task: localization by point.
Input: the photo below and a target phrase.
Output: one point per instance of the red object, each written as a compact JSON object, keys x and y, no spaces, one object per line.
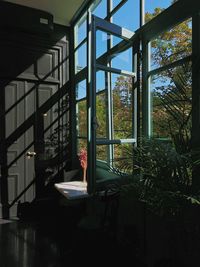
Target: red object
{"x":83,"y":158}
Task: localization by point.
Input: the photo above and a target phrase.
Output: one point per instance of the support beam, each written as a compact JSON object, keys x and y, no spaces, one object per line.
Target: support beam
{"x":146,"y":105}
{"x":3,"y":157}
{"x":91,"y":104}
{"x":196,"y":91}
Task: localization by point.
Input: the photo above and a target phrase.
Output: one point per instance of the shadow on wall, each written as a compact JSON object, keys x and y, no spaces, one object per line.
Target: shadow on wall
{"x":33,"y":60}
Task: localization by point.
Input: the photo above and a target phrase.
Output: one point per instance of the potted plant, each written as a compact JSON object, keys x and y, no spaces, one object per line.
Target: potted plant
{"x":159,"y":200}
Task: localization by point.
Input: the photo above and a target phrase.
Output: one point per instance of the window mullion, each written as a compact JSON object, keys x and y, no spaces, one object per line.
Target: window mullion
{"x":110,"y":97}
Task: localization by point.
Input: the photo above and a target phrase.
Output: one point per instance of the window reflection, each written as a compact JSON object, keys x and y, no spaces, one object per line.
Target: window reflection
{"x":172,"y":102}
{"x":130,"y":22}
{"x":123,"y":60}
{"x":99,"y":8}
{"x":80,"y":30}
{"x":101,"y":115}
{"x":81,"y":90}
{"x":172,"y":45}
{"x":122,"y":106}
{"x":81,"y":58}
{"x":81,"y":113}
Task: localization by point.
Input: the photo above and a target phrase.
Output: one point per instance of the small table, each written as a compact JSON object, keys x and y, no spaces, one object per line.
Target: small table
{"x":73,"y":190}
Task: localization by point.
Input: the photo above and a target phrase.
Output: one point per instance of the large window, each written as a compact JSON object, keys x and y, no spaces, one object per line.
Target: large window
{"x":156,"y":101}
{"x":111,"y":105}
{"x":112,"y":11}
{"x":172,"y":102}
{"x":171,"y":82}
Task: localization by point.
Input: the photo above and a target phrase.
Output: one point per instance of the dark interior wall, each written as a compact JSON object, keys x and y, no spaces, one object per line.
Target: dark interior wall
{"x":33,"y":75}
{"x":23,"y":18}
{"x":22,"y":30}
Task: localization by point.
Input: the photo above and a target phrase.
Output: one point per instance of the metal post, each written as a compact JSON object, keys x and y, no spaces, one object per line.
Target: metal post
{"x":91,"y":104}
{"x":3,"y":156}
{"x":72,"y":95}
{"x":142,"y":12}
{"x":196,"y":92}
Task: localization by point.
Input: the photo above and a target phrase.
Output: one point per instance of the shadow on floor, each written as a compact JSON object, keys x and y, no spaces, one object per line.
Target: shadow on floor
{"x":58,"y":241}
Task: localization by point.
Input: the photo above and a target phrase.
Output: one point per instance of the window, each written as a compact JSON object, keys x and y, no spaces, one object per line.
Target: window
{"x":157,"y":101}
{"x":123,"y":60}
{"x":99,"y":8}
{"x":115,"y":3}
{"x":81,"y":58}
{"x":172,"y":45}
{"x":171,"y":82}
{"x":101,"y":43}
{"x":80,"y":31}
{"x":131,"y":21}
{"x":172,"y":102}
{"x":122,"y":104}
{"x":81,"y":115}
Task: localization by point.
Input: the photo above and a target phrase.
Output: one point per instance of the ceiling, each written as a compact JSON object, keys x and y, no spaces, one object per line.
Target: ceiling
{"x":62,"y":10}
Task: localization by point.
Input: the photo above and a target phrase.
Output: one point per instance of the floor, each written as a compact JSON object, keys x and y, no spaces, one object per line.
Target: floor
{"x":58,"y":241}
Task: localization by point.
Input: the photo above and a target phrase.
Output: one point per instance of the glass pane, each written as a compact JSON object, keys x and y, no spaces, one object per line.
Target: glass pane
{"x":128,"y":15}
{"x":80,"y":30}
{"x":123,"y":60}
{"x":100,"y":81}
{"x":155,"y":7}
{"x":101,"y":115}
{"x":81,"y":115}
{"x":172,"y":102}
{"x":81,"y":58}
{"x":115,"y":3}
{"x":122,"y":95}
{"x":81,"y":144}
{"x":101,"y":104}
{"x":99,"y":8}
{"x":123,"y":158}
{"x":81,"y":90}
{"x":101,"y":43}
{"x":116,"y":40}
{"x":102,"y":153}
{"x":113,"y":162}
{"x":172,"y":45}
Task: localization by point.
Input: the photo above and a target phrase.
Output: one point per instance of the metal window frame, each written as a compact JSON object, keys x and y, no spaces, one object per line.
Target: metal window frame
{"x":95,"y":24}
{"x":196,"y":91}
{"x":176,"y":13}
{"x":112,"y":11}
{"x":172,"y":16}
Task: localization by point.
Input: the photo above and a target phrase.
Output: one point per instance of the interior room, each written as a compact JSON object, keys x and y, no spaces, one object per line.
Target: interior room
{"x":99,"y":133}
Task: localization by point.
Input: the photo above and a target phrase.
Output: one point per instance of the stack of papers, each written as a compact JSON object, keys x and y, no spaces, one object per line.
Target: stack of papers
{"x":73,"y":190}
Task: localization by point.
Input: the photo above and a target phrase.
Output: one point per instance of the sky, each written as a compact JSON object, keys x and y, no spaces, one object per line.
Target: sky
{"x":150,"y":5}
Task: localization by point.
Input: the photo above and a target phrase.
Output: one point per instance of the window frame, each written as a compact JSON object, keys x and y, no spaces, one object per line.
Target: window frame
{"x":174,"y":14}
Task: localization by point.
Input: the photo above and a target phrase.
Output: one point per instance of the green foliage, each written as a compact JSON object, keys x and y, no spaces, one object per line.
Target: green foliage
{"x":162,"y":170}
{"x":172,"y":88}
{"x":122,"y":107}
{"x":161,"y":177}
{"x":160,"y":165}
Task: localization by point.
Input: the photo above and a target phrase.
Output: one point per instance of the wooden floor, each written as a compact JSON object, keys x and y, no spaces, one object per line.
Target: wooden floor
{"x":58,"y":242}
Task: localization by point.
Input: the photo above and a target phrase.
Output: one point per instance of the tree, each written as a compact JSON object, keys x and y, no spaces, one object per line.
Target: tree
{"x":172,"y":90}
{"x":122,"y":107}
